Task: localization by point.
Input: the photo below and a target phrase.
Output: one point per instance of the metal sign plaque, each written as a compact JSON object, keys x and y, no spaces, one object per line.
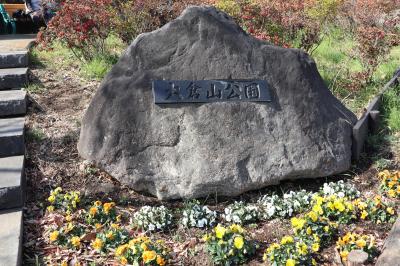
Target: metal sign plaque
{"x":205,"y":91}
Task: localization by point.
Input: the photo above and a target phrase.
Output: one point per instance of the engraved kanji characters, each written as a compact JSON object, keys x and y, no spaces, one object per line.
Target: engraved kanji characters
{"x":194,"y":91}
{"x":174,"y":90}
{"x":233,"y":91}
{"x":214,"y":92}
{"x":252,"y":91}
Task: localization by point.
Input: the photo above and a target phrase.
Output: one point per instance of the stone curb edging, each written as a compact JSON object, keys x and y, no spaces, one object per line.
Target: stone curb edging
{"x":390,"y":255}
{"x":369,"y":121}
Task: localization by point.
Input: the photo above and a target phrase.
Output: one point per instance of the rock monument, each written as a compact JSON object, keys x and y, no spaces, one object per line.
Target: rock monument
{"x":192,"y":149}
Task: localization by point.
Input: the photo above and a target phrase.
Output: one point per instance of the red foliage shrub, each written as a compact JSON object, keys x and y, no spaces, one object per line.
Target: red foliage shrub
{"x":82,"y":25}
{"x":376,"y":32}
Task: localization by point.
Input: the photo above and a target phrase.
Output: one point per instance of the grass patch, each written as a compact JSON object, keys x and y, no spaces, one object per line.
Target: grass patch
{"x":337,"y":62}
{"x":98,"y":67}
{"x":59,"y":56}
{"x":391,"y":109}
{"x":54,"y":57}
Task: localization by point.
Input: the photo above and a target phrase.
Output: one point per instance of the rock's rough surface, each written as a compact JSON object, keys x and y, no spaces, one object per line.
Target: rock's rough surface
{"x":192,"y":150}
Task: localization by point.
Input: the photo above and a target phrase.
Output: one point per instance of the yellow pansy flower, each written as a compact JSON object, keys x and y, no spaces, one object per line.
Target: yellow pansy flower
{"x":160,"y":260}
{"x":220,"y":231}
{"x":51,"y":199}
{"x":309,"y":231}
{"x":290,"y":262}
{"x":315,"y":247}
{"x":287,"y":239}
{"x":364,"y":214}
{"x":144,"y":246}
{"x":54,"y":236}
{"x":149,"y":255}
{"x":121,"y":250}
{"x":361,"y":243}
{"x":76,"y":241}
{"x":298,"y":223}
{"x":302,"y":248}
{"x":313,"y":215}
{"x":98,"y":225}
{"x":344,"y":255}
{"x":339,"y":206}
{"x":110,"y":235}
{"x":238,"y":242}
{"x":206,"y":237}
{"x":97,"y":244}
{"x":123,"y":261}
{"x":115,"y":226}
{"x":236,"y":228}
{"x":318,"y":209}
{"x":50,"y":208}
{"x":93,"y":211}
{"x":392,"y":193}
{"x":108,"y":206}
{"x":390,"y":210}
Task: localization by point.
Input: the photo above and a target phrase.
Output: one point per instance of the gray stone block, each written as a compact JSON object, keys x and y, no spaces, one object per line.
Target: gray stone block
{"x":13,"y":78}
{"x":10,"y":237}
{"x":12,"y":182}
{"x":12,"y":136}
{"x":14,"y":59}
{"x":12,"y":102}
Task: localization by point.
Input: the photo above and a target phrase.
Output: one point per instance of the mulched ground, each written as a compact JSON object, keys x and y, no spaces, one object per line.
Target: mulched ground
{"x":53,"y":123}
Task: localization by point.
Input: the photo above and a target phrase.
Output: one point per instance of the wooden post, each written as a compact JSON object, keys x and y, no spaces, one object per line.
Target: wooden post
{"x":357,"y":258}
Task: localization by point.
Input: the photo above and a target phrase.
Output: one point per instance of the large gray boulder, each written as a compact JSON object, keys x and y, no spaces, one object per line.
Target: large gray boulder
{"x":226,"y":148}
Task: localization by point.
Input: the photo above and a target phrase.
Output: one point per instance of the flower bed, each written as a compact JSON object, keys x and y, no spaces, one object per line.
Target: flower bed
{"x":128,"y":237}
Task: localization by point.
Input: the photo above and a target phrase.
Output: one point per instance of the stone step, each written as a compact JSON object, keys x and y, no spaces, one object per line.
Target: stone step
{"x":11,"y":237}
{"x":13,"y":78}
{"x":12,"y":102}
{"x":12,"y":136}
{"x":12,"y":182}
{"x":14,"y":59}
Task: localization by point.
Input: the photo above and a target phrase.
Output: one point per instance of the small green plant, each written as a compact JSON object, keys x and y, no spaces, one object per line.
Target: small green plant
{"x":142,"y":251}
{"x":390,"y":183}
{"x":100,"y":213}
{"x":196,"y":215}
{"x":334,"y":208}
{"x":67,"y":202}
{"x":291,"y":251}
{"x":111,"y":238}
{"x":228,"y":245}
{"x":68,"y":235}
{"x":152,"y":218}
{"x":35,"y":135}
{"x":34,"y":88}
{"x":241,"y":213}
{"x":376,"y":210}
{"x":352,"y":241}
{"x":314,"y":227}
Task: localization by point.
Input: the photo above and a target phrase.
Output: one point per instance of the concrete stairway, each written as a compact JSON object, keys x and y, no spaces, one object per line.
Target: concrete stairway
{"x":13,"y":77}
